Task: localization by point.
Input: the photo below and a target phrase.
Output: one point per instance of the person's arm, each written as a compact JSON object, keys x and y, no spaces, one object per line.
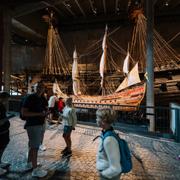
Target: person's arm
{"x":112,"y":150}
{"x":74,"y":117}
{"x":3,"y":121}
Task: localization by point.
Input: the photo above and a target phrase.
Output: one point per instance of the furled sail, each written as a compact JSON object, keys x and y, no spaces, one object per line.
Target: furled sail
{"x":75,"y":75}
{"x":126,"y":64}
{"x":103,"y":59}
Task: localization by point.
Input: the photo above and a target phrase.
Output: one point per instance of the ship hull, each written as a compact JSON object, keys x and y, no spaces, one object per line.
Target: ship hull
{"x":126,"y":100}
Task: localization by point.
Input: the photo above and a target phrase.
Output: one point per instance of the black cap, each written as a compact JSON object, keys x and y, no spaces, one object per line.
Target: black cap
{"x":4,"y":94}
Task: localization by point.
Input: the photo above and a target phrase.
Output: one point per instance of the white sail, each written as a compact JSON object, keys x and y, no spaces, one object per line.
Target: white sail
{"x":133,"y":76}
{"x":126,"y":64}
{"x":123,"y":85}
{"x":103,"y":58}
{"x":56,"y":89}
{"x":131,"y":79}
{"x":75,"y":75}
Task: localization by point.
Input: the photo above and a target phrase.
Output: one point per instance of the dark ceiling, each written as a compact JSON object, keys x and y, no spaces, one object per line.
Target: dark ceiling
{"x":78,"y":14}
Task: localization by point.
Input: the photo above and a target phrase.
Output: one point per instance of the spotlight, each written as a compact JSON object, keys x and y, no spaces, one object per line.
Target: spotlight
{"x":137,"y":2}
{"x":94,"y":11}
{"x":166,"y":3}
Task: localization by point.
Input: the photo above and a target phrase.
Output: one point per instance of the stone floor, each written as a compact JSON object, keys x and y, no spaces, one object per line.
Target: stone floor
{"x":152,"y":158}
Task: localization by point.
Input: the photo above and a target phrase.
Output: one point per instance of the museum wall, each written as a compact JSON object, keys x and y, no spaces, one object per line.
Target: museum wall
{"x":26,"y":58}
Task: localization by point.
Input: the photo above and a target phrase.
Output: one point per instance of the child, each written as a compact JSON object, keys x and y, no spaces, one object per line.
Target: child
{"x":61,"y":105}
{"x":108,"y":156}
{"x":69,"y":121}
{"x":4,"y":129}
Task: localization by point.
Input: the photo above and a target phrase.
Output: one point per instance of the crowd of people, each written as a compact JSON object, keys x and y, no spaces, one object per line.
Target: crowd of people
{"x":35,"y":108}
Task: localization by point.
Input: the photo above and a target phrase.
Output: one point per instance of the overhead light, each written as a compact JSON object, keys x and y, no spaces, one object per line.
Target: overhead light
{"x":95,"y":11}
{"x":129,"y":3}
{"x":137,"y":2}
{"x":67,"y":4}
{"x":166,"y":3}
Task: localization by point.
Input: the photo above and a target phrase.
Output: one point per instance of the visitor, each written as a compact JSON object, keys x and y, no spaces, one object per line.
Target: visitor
{"x":34,"y":109}
{"x":61,"y":105}
{"x":108,"y":155}
{"x":69,"y":120}
{"x":4,"y":130}
{"x":51,"y":105}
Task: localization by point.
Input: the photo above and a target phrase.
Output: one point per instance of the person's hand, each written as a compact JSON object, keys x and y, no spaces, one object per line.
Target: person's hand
{"x":48,"y":112}
{"x":45,"y":113}
{"x":60,"y":115}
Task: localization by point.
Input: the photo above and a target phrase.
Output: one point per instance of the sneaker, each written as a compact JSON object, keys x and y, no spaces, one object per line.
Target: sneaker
{"x":28,"y":167}
{"x":64,"y":150}
{"x":2,"y":171}
{"x":42,"y":147}
{"x":4,"y":165}
{"x":39,"y":172}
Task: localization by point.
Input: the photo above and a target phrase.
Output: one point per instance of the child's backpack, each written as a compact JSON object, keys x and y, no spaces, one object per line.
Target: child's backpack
{"x":126,"y":162}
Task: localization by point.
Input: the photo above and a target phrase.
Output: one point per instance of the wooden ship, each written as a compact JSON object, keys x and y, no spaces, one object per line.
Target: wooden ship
{"x":131,"y":95}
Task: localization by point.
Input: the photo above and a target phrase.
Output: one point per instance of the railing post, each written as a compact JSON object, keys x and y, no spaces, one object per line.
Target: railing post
{"x":177,"y":120}
{"x":150,"y":63}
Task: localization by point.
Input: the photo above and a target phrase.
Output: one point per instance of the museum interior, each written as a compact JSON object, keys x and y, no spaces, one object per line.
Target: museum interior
{"x":119,"y":53}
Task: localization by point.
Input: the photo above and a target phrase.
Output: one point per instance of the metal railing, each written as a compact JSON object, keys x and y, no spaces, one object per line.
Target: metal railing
{"x":166,"y":125}
{"x":167,"y":119}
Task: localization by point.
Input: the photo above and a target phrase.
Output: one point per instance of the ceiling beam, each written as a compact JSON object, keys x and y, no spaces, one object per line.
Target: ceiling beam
{"x":81,"y":9}
{"x":48,"y":4}
{"x":32,"y":7}
{"x":28,"y":31}
{"x":169,"y":13}
{"x":92,"y":7}
{"x":99,"y":21}
{"x":104,"y":6}
{"x":68,"y":7}
{"x":28,"y":8}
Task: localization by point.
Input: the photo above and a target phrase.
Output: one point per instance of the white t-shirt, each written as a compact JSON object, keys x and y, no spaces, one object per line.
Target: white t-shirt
{"x":69,"y":116}
{"x":52,"y":101}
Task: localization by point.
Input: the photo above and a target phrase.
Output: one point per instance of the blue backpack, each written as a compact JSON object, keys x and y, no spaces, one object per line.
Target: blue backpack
{"x":126,"y":162}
